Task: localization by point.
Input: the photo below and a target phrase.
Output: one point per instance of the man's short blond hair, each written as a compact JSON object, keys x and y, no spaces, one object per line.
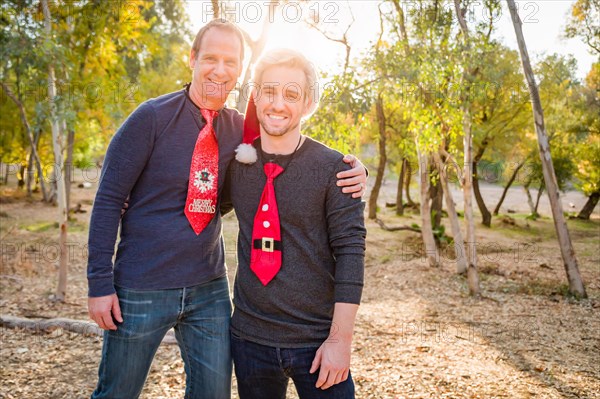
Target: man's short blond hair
{"x":291,"y":59}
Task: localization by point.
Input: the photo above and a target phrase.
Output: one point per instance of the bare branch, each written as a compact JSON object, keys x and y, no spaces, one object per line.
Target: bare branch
{"x":396,"y":228}
{"x":216,"y":8}
{"x":460,"y":14}
{"x":343,"y":40}
{"x":85,"y":328}
{"x":402,"y":21}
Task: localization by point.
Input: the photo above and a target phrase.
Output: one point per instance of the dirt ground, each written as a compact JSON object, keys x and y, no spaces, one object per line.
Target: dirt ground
{"x":418,"y":333}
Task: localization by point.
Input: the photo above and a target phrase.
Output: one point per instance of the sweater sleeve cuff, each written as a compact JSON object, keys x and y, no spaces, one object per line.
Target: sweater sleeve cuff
{"x":100,"y":287}
{"x":348,"y":292}
{"x":349,"y":278}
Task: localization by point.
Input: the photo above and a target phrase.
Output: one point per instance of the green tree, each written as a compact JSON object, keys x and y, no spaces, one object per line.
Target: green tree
{"x":500,"y":117}
{"x":568,"y":253}
{"x":588,"y":150}
{"x":585,"y":24}
{"x":92,"y":57}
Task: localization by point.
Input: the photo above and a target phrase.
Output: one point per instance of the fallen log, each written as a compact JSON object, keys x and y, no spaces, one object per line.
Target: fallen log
{"x":82,"y":327}
{"x":396,"y":228}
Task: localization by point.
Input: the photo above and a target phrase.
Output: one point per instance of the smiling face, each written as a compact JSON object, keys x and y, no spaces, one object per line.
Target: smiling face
{"x":216,"y":68}
{"x":282,"y":100}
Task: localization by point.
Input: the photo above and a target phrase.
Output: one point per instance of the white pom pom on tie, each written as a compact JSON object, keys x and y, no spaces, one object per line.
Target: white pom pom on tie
{"x":246,"y":153}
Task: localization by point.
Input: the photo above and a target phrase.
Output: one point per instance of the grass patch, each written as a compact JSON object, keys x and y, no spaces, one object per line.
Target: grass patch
{"x":41,"y":226}
{"x":77,"y":226}
{"x":542,"y":227}
{"x":490,"y":268}
{"x":73,"y":226}
{"x":587,"y":225}
{"x":537,"y":287}
{"x":385,"y":259}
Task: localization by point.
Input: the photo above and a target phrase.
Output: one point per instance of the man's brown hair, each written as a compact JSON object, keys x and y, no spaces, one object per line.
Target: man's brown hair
{"x":223,"y":24}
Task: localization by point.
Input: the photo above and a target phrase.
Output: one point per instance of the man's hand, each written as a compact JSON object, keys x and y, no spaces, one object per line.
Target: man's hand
{"x":354,"y":180}
{"x":333,"y":357}
{"x":102,"y":309}
{"x":125,"y":207}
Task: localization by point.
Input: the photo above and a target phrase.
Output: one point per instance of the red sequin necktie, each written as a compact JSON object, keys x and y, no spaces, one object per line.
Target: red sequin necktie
{"x":201,"y":203}
{"x":265,"y":260}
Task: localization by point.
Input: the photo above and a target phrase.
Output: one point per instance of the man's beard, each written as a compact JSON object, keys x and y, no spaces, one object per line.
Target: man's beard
{"x":279,"y":132}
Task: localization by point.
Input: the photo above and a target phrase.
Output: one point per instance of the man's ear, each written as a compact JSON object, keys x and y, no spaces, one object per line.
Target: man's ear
{"x":241,"y":69}
{"x":192,"y":61}
{"x":309,"y":106}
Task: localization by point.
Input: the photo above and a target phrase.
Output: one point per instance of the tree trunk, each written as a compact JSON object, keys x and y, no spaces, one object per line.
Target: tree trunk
{"x":409,"y":200}
{"x":69,"y":165}
{"x":40,"y":171}
{"x":32,"y":162}
{"x":471,"y":247}
{"x":589,"y":206}
{"x":426,"y":231}
{"x":6,"y":174}
{"x":52,"y":189}
{"x":459,"y":245}
{"x":537,"y":200}
{"x":399,"y":200}
{"x":530,"y":200}
{"x":508,"y":184}
{"x":382,"y":159}
{"x":38,"y":167}
{"x":486,"y":216}
{"x":467,"y":78}
{"x":30,"y":173}
{"x":437,"y":198}
{"x":21,"y":176}
{"x":576,"y":286}
{"x":57,"y":144}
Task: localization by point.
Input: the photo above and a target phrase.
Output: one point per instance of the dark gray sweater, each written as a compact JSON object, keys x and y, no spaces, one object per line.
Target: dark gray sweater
{"x":323,"y":244}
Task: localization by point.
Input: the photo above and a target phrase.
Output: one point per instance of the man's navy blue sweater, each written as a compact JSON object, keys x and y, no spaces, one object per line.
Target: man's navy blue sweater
{"x":148,"y":161}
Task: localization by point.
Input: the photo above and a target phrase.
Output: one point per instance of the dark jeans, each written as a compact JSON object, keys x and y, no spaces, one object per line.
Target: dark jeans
{"x":200,"y":316}
{"x":263,"y":372}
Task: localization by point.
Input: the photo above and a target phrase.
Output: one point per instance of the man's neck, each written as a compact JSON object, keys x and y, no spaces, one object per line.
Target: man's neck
{"x":280,"y":145}
{"x":203,"y":101}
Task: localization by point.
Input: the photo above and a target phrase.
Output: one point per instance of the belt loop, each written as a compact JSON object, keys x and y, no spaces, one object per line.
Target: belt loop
{"x":183,"y":293}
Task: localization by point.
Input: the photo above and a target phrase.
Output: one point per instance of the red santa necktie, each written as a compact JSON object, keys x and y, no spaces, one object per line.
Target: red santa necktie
{"x":201,"y":202}
{"x":265,"y":260}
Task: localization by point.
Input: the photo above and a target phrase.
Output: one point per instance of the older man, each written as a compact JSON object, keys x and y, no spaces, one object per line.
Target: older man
{"x":168,"y":161}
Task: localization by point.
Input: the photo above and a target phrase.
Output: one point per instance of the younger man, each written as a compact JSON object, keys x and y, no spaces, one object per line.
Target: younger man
{"x":300,"y":247}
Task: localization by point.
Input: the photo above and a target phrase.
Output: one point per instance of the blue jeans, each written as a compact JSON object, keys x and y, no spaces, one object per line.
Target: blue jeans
{"x":263,"y":372}
{"x":200,"y":316}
